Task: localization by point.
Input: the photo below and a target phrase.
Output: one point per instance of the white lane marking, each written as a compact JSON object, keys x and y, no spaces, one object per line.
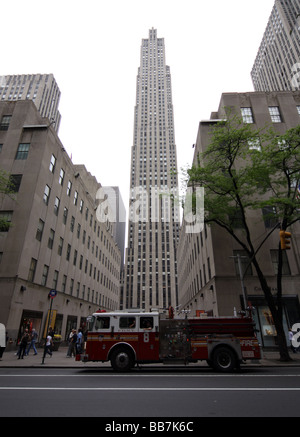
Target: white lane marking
{"x":156,"y":388}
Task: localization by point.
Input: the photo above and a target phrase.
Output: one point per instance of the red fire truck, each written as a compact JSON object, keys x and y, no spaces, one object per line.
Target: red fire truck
{"x":129,"y":338}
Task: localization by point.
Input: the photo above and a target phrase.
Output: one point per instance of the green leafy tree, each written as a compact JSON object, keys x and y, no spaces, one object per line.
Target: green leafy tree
{"x":7,"y":188}
{"x":244,"y":169}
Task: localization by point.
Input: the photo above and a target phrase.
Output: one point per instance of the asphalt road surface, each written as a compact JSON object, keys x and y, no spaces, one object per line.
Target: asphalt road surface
{"x":149,"y":393}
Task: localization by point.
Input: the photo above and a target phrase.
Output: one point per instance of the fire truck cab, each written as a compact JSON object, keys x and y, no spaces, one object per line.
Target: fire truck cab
{"x":127,"y":338}
{"x":122,"y":338}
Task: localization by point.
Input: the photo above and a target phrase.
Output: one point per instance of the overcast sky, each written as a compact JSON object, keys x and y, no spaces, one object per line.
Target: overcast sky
{"x":93,"y":50}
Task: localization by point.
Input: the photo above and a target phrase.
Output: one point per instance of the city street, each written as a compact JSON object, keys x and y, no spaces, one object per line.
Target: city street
{"x":149,"y":392}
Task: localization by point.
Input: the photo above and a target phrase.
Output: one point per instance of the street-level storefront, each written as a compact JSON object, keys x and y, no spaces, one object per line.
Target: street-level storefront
{"x":30,"y":320}
{"x":34,"y":320}
{"x":262,"y":316}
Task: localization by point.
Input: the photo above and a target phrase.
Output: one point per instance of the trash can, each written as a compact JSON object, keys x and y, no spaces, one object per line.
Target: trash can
{"x":2,"y":339}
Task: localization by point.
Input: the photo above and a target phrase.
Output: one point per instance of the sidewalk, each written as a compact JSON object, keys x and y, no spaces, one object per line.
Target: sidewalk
{"x":60,"y":360}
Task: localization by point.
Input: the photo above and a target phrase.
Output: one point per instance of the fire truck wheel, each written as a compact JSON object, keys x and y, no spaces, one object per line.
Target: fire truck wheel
{"x":224,"y":359}
{"x":122,"y":360}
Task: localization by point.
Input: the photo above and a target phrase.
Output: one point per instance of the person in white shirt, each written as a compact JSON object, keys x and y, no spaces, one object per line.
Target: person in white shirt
{"x":49,"y":343}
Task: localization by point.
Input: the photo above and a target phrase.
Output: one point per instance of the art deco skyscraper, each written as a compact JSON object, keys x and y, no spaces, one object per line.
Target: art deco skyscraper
{"x":150,"y":277}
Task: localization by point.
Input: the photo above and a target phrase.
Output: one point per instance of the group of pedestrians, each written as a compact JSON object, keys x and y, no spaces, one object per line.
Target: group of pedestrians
{"x":25,"y":339}
{"x":28,"y":341}
{"x":75,"y":343}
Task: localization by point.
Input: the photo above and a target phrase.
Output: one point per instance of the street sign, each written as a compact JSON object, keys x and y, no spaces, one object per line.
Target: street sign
{"x":52,"y":294}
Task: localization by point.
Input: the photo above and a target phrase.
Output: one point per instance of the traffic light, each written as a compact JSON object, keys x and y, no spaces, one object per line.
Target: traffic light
{"x":285,"y":242}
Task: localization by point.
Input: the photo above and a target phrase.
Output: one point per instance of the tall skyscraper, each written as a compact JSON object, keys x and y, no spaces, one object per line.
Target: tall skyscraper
{"x":277,"y":64}
{"x":42,"y":89}
{"x":150,"y":277}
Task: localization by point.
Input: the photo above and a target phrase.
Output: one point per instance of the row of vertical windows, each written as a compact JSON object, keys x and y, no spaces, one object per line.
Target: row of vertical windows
{"x":90,"y":244}
{"x":90,"y":296}
{"x":46,"y":196}
{"x":274,"y":112}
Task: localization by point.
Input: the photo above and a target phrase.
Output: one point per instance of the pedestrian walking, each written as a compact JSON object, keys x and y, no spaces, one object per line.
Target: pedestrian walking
{"x":33,"y":340}
{"x":23,"y":344}
{"x":48,"y":347}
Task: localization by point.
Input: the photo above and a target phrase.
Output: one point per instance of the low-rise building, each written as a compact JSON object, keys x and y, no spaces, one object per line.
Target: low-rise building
{"x":55,"y":241}
{"x":208,"y":271}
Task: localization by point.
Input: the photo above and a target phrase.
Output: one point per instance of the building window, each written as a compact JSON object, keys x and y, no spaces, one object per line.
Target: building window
{"x":55,"y":279}
{"x":46,"y":194}
{"x":15,"y":182}
{"x":32,"y":270}
{"x":71,"y":286}
{"x":69,"y":188}
{"x":81,"y":206}
{"x":63,"y":284}
{"x":285,"y":263}
{"x":22,"y":151}
{"x":65,"y":215}
{"x":247,"y":115}
{"x":254,"y":144}
{"x":75,"y":257}
{"x":275,"y":114}
{"x":236,"y":220}
{"x":40,"y":229}
{"x":5,"y":220}
{"x":298,"y":109}
{"x":72,"y":223}
{"x":45,"y":275}
{"x":61,"y":176}
{"x":56,"y":205}
{"x":52,"y":164}
{"x":68,"y":252}
{"x":51,"y":238}
{"x":4,"y":125}
{"x":60,"y":245}
{"x":269,"y":216}
{"x":75,"y":197}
